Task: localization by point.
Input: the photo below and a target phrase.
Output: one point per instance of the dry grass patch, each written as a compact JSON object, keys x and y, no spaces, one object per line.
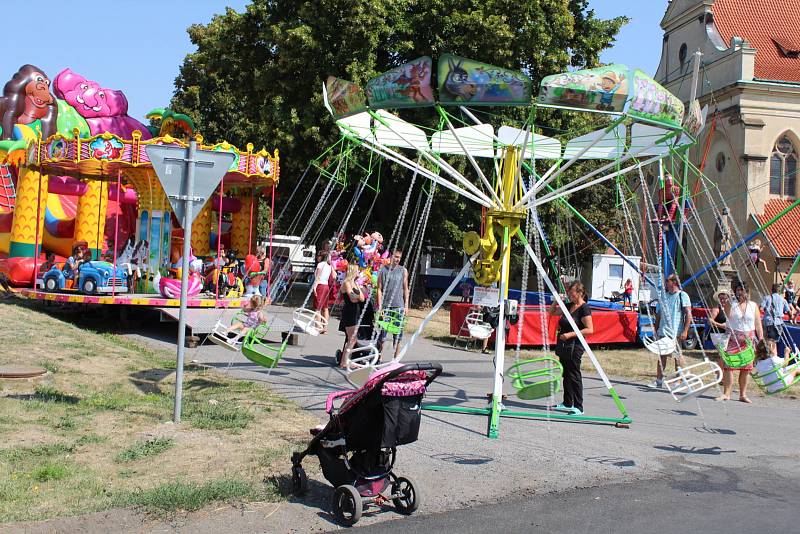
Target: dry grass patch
{"x":437,"y":328}
{"x":96,"y":431}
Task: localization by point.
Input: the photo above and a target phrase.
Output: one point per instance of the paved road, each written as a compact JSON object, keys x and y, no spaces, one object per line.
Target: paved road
{"x":679,"y":467}
{"x":693,"y":499}
{"x":459,"y":468}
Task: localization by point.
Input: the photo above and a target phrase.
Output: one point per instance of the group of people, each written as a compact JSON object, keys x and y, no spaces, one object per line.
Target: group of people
{"x":739,"y":322}
{"x":360,"y":300}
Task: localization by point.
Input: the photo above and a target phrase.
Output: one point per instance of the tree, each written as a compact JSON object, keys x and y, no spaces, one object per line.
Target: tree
{"x":256,"y":76}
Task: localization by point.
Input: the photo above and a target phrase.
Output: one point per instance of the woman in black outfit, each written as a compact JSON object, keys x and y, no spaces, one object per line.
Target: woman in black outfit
{"x":352,"y":297}
{"x":569,"y":349}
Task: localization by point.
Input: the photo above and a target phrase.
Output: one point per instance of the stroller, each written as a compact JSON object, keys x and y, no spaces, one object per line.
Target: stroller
{"x":358,"y":446}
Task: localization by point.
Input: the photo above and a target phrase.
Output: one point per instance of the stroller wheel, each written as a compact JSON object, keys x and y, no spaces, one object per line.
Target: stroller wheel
{"x":338,"y":357}
{"x":299,"y":480}
{"x":347,"y":506}
{"x":404,"y":496}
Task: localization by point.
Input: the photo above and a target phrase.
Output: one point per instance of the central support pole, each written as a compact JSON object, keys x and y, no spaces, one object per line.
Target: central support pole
{"x":500,"y":342}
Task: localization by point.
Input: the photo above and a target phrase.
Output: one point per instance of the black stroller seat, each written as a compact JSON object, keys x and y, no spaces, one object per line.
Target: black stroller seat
{"x":357,"y":448}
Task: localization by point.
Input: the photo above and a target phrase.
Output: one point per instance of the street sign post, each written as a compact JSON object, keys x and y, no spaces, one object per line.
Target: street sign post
{"x":188,"y":176}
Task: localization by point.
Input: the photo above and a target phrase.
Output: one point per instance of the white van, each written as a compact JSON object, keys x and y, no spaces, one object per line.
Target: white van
{"x":302,"y":257}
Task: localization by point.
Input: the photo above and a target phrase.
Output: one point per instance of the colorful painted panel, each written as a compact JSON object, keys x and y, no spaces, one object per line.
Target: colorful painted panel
{"x":345,"y":98}
{"x":652,"y":101}
{"x":101,"y":148}
{"x":408,"y":85}
{"x":694,"y":120}
{"x":603,"y":89}
{"x":465,"y":81}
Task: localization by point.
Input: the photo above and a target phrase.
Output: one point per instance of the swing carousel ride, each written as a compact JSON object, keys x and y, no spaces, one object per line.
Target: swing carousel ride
{"x":512,"y":170}
{"x":83,"y":217}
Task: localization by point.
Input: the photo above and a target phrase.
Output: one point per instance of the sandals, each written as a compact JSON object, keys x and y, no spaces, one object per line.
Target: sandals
{"x":722,"y":398}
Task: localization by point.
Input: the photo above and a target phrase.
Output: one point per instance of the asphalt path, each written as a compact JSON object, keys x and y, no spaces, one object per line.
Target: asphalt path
{"x":693,"y":499}
{"x":699,"y":466}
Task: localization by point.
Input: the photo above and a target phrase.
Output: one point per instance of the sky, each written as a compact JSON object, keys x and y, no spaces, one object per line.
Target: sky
{"x":138,"y":46}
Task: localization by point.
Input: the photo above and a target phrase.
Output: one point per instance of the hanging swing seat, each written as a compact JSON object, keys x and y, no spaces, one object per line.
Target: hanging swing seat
{"x":719,"y":339}
{"x":391,"y":321}
{"x":691,"y":381}
{"x":309,"y":321}
{"x":478,"y":328}
{"x":742,"y":358}
{"x":258,"y":350}
{"x":778,"y":378}
{"x":225,"y":337}
{"x":662,"y":347}
{"x":536,"y":378}
{"x":363,"y":362}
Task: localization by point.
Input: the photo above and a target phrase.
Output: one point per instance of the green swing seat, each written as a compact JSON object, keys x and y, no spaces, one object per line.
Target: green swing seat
{"x":260,"y":351}
{"x":775,"y":381}
{"x":536,"y":378}
{"x":734,"y":360}
{"x":392,"y":321}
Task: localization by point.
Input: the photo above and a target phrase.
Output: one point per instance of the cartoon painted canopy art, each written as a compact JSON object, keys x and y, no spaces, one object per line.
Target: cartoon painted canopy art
{"x":612,"y":88}
{"x":105,"y":110}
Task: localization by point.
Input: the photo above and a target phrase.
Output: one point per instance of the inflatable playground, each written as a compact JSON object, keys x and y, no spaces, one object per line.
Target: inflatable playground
{"x":83,"y":217}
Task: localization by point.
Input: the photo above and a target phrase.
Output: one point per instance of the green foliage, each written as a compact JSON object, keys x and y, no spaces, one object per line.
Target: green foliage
{"x":50,"y":365}
{"x":39,"y":451}
{"x":182,"y":496}
{"x":50,"y":471}
{"x":144,"y":449}
{"x":256,"y":76}
{"x":51,"y":394}
{"x":219,"y":415}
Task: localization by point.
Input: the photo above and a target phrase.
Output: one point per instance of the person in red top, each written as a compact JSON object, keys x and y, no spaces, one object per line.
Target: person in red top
{"x":627,"y":294}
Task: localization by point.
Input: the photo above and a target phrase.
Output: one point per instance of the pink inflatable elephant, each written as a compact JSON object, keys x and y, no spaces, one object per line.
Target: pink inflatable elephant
{"x":105,"y":110}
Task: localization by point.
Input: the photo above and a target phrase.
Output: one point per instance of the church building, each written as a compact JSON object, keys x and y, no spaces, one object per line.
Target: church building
{"x":750,"y":81}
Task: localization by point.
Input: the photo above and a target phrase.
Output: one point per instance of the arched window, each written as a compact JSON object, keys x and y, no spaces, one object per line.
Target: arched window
{"x":783,"y":169}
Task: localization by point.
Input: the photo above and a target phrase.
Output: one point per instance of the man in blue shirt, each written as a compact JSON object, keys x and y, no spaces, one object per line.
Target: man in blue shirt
{"x":772,"y":309}
{"x":673,"y":321}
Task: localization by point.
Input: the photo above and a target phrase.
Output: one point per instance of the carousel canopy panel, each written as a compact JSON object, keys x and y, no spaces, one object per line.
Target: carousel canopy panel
{"x":539,"y":146}
{"x":101,"y":157}
{"x":464,"y":81}
{"x":644,"y":135}
{"x":399,"y":133}
{"x":359,"y":125}
{"x":406,"y":86}
{"x":615,"y":89}
{"x":343,"y":98}
{"x":477,"y":140}
{"x":602,"y":144}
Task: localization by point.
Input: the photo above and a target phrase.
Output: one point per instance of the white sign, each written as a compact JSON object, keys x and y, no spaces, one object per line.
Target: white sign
{"x":486,"y":296}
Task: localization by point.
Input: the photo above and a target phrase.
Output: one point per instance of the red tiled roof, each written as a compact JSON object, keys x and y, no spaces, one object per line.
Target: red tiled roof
{"x":767,"y":25}
{"x":784,"y":234}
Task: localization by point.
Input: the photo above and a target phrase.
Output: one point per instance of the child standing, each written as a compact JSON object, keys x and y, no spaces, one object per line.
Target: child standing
{"x":627,"y":294}
{"x":755,"y":249}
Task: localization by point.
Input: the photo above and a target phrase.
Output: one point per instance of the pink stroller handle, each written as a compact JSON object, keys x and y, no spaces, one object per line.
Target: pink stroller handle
{"x":335,"y":395}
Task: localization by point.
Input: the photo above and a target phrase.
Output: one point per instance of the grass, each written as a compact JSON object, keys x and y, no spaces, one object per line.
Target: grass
{"x":50,"y":471}
{"x":183,"y":496}
{"x":145,"y":449}
{"x":50,"y":365}
{"x":80,"y":439}
{"x":218,"y":416}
